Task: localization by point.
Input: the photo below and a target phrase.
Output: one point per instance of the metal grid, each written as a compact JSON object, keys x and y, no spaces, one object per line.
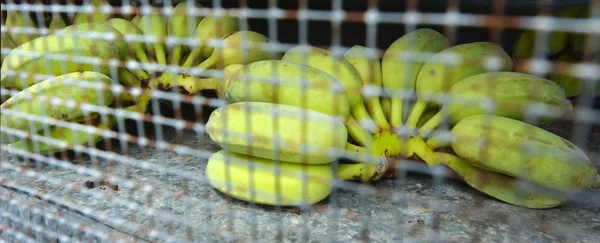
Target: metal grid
{"x":158,"y":159}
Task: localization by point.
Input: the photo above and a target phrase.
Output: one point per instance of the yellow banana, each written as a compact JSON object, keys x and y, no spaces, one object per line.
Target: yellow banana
{"x":504,"y":188}
{"x":522,"y":150}
{"x":435,"y":77}
{"x":135,"y":48}
{"x":96,"y":17}
{"x":233,"y":51}
{"x":136,"y":19}
{"x":181,"y":26}
{"x":210,"y":28}
{"x":56,"y":23}
{"x":369,"y":69}
{"x":18,"y":19}
{"x":323,"y":92}
{"x":386,"y":105}
{"x":155,"y":25}
{"x":278,"y":132}
{"x":64,"y":87}
{"x":512,"y":93}
{"x":399,"y":73}
{"x":76,"y":48}
{"x":7,"y":46}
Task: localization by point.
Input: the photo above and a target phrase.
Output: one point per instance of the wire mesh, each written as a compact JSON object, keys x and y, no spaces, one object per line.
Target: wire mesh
{"x":144,"y":176}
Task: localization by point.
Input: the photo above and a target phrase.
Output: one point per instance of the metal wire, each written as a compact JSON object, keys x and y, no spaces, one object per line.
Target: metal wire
{"x":151,"y":166}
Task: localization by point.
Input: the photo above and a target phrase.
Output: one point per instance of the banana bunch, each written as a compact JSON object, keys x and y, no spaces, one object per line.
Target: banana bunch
{"x":365,"y":104}
{"x":565,"y":49}
{"x":61,"y":98}
{"x":289,"y":158}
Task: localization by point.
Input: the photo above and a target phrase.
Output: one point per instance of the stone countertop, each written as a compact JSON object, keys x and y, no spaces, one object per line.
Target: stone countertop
{"x":164,"y":197}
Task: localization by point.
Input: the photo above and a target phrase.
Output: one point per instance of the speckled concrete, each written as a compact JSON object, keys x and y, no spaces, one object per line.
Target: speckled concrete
{"x":178,"y":205}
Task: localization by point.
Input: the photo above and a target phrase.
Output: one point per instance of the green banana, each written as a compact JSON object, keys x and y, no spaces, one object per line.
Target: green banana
{"x":56,"y":23}
{"x":96,"y":17}
{"x":7,"y":43}
{"x":136,"y":19}
{"x":323,"y":94}
{"x":292,"y":126}
{"x":512,"y":93}
{"x":17,"y":19}
{"x":135,"y":48}
{"x":56,"y":87}
{"x":155,"y":25}
{"x":585,"y":43}
{"x":435,"y":77}
{"x":62,"y":43}
{"x":193,"y":85}
{"x":234,"y":53}
{"x":499,"y":186}
{"x":401,"y":75}
{"x":369,"y":69}
{"x":496,"y":143}
{"x":386,"y":105}
{"x":427,"y":115}
{"x":209,"y":28}
{"x":181,"y":26}
{"x":571,"y":84}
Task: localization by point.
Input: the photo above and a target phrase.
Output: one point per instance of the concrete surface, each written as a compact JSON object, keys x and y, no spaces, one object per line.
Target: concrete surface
{"x":166,"y":199}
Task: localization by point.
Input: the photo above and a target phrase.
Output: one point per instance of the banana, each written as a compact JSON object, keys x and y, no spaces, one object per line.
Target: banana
{"x":56,"y":87}
{"x":96,"y":17}
{"x":512,"y":93}
{"x":401,"y":75}
{"x":155,"y":25}
{"x":497,"y":144}
{"x":62,"y":43}
{"x":56,"y":23}
{"x":210,"y":28}
{"x":255,"y":179}
{"x":193,"y":85}
{"x":427,"y":115}
{"x":18,"y":19}
{"x":323,"y":94}
{"x":136,"y":19}
{"x":571,"y":84}
{"x":7,"y":44}
{"x":233,"y":51}
{"x":524,"y":46}
{"x":504,"y":188}
{"x":584,"y":43}
{"x":386,"y":105}
{"x":278,"y":132}
{"x":435,"y":77}
{"x":136,"y":48}
{"x":181,"y":26}
{"x":369,"y":69}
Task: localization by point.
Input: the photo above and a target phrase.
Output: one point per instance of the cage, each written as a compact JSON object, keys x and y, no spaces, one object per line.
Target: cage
{"x":137,"y":129}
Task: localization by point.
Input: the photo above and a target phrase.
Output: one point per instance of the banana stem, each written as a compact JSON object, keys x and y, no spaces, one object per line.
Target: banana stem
{"x":431,"y":124}
{"x":127,"y":79}
{"x":416,"y":113}
{"x":359,"y":113}
{"x":356,"y":172}
{"x":177,"y":49}
{"x":396,"y":112}
{"x":140,"y":54}
{"x":191,"y":84}
{"x":356,"y":132}
{"x":417,"y":145}
{"x":436,"y":142}
{"x":161,"y":56}
{"x":194,"y":54}
{"x":377,"y":113}
{"x":208,"y":63}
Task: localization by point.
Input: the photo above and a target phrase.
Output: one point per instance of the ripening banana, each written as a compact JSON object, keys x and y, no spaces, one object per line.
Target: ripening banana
{"x":278,"y":132}
{"x":136,"y":48}
{"x":75,"y":48}
{"x":95,"y":17}
{"x":267,"y":182}
{"x":7,"y":46}
{"x":400,"y":71}
{"x":56,"y":23}
{"x":18,"y":19}
{"x":234,"y":52}
{"x":194,"y":85}
{"x":210,"y":28}
{"x":283,"y":82}
{"x":182,"y":26}
{"x":436,"y":77}
{"x":512,"y":93}
{"x":369,"y":69}
{"x":522,"y":150}
{"x":81,"y":87}
{"x":502,"y":187}
{"x":155,"y":26}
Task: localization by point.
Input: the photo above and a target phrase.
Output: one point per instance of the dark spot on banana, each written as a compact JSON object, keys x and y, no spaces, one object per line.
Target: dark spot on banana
{"x":145,"y":83}
{"x":432,"y":72}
